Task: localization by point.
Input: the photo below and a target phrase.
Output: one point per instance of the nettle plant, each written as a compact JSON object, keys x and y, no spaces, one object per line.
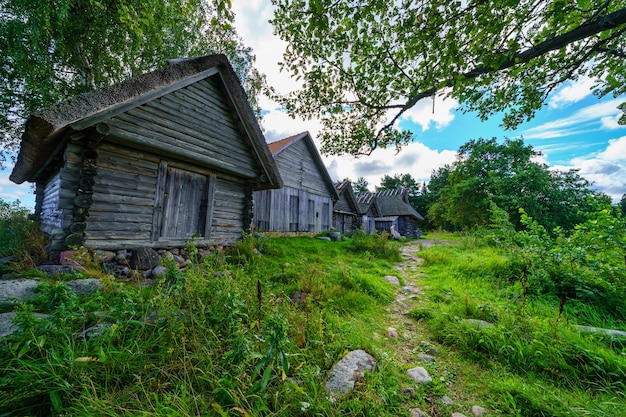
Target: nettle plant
{"x":586,"y":263}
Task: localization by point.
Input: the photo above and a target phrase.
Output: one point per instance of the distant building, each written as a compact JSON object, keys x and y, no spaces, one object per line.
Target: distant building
{"x":347,"y":215}
{"x":387,"y":208}
{"x":305,"y":202}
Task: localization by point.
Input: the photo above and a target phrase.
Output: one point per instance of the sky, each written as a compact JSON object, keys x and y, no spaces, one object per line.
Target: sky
{"x":574,"y":129}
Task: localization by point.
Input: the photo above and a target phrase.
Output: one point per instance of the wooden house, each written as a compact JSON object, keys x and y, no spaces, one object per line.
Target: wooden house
{"x":305,"y":202}
{"x":152,"y":161}
{"x":346,"y":211}
{"x":388,"y":208}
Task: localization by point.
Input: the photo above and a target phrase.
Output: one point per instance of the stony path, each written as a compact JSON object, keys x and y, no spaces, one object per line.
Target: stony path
{"x":413,"y":349}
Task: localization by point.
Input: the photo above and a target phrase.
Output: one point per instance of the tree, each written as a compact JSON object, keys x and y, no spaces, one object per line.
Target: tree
{"x":364,"y":63}
{"x":405,"y":181}
{"x":487,"y":172}
{"x":360,"y":186}
{"x":54,"y":49}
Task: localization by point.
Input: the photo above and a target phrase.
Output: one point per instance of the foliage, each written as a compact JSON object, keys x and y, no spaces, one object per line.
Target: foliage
{"x":363,"y":64}
{"x":505,"y":174}
{"x":476,"y":302}
{"x":375,"y":244}
{"x":253,"y":334}
{"x":360,"y":186}
{"x":57,"y":49}
{"x":20,"y":236}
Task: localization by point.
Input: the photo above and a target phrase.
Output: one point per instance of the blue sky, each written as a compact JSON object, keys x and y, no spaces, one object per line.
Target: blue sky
{"x":574,"y":129}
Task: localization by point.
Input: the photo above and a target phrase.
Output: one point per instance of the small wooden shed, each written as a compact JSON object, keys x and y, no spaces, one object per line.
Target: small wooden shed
{"x":347,"y":214}
{"x":305,"y":202}
{"x":152,"y":161}
{"x":389,"y":208}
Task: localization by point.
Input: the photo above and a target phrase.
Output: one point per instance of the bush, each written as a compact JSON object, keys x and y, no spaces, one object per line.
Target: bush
{"x":20,"y":236}
{"x":375,"y":244}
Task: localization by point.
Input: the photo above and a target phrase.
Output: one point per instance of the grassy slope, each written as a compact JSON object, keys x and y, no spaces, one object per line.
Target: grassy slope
{"x":257,"y":332}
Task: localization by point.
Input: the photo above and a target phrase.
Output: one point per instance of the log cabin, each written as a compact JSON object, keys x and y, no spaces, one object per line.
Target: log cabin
{"x":151,"y":162}
{"x":305,"y":202}
{"x":347,"y":214}
{"x":387,"y":208}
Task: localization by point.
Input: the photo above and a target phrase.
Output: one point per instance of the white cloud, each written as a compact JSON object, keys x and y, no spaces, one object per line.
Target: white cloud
{"x":584,"y":120}
{"x":572,"y":92}
{"x":426,"y":113}
{"x":606,"y":169}
{"x":415,"y":159}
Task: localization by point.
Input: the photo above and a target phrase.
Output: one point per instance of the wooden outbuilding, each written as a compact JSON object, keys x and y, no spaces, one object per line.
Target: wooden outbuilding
{"x":388,"y":208}
{"x":154,"y":161}
{"x":347,"y":214}
{"x":305,"y":202}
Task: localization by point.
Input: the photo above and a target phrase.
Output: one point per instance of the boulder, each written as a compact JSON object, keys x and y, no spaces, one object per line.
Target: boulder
{"x":17,"y":289}
{"x":347,"y":371}
{"x":87,"y":286}
{"x":391,"y":279}
{"x":419,"y":375}
{"x":7,"y":327}
{"x":144,"y":258}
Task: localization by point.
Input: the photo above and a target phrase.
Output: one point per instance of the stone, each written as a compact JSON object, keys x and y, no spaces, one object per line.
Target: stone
{"x":324,"y":238}
{"x":433,"y":352}
{"x":7,"y":327}
{"x":416,"y":412}
{"x":334,"y":236}
{"x":447,"y":400}
{"x":409,"y":392}
{"x":392,"y":333}
{"x":477,"y":323}
{"x":347,"y":371}
{"x":419,"y":375}
{"x":391,"y":279}
{"x":458,"y":415}
{"x":78,"y":257}
{"x":7,"y":259}
{"x":610,"y":332}
{"x":478,"y":411}
{"x":85,"y":286}
{"x":58,"y":269}
{"x":17,"y":289}
{"x":158,"y":271}
{"x":144,"y":258}
{"x":102,"y":256}
{"x":426,"y":358}
{"x":94,"y":331}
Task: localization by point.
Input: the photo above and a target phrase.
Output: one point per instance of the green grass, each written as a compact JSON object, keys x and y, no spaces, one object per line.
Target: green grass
{"x":532,"y":363}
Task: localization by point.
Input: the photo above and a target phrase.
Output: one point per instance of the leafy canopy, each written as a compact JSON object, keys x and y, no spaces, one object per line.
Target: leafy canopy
{"x":506,"y":174}
{"x":54,"y":49}
{"x":364,"y":63}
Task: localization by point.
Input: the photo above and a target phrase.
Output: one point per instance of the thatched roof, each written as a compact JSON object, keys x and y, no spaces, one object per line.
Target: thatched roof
{"x":45,"y":130}
{"x":389,"y":203}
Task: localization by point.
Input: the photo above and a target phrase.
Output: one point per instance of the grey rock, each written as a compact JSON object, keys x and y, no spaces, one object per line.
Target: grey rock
{"x":57,"y":269}
{"x":433,"y":351}
{"x":478,"y":411}
{"x":409,"y":392}
{"x":7,"y":327}
{"x":426,"y":358}
{"x":334,"y":236}
{"x":447,"y":400}
{"x":324,"y":238}
{"x":94,"y":331}
{"x":458,"y":415}
{"x":158,"y":271}
{"x":144,"y":258}
{"x":419,"y":375}
{"x":477,"y":323}
{"x":5,"y":260}
{"x":17,"y":289}
{"x":610,"y":332}
{"x":392,"y":332}
{"x":85,"y":286}
{"x":347,"y":371}
{"x":392,"y":279}
{"x":102,"y":256}
{"x":416,"y":412}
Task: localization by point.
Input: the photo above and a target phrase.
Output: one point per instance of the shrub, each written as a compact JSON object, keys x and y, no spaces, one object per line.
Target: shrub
{"x":20,"y":236}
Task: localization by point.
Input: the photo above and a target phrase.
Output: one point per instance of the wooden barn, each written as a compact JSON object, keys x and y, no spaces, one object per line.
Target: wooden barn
{"x":346,"y":211}
{"x":305,"y":203}
{"x":151,"y":162}
{"x":389,"y":208}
